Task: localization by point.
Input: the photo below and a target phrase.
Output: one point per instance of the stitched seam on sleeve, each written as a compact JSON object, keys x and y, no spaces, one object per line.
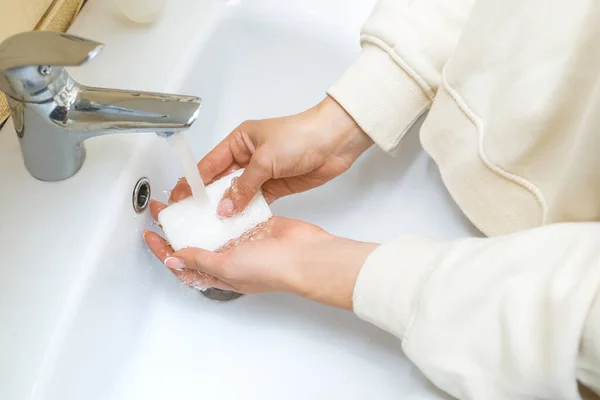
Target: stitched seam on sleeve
{"x":519,"y":180}
{"x":401,"y":63}
{"x":417,"y":300}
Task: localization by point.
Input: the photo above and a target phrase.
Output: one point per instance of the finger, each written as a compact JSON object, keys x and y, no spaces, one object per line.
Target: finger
{"x":224,"y":159}
{"x":195,"y":279}
{"x":209,"y":281}
{"x":191,"y":277}
{"x":230,"y":170}
{"x":223,"y":286}
{"x":231,"y":154}
{"x":197,"y":259}
{"x":155,"y":208}
{"x":269,"y":197}
{"x":216,"y":161}
{"x":244,"y":188}
{"x":277,"y":188}
{"x":181,"y":191}
{"x":199,"y":280}
{"x":159,"y":246}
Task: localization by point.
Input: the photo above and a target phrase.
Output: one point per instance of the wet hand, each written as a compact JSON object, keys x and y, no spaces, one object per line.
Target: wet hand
{"x":283,"y":155}
{"x":283,"y":255}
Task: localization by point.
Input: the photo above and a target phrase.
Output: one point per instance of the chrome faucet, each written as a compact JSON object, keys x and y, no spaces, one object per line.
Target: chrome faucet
{"x":53,"y":114}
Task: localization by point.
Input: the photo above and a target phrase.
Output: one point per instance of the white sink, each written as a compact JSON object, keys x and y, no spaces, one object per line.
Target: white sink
{"x":87,"y":313}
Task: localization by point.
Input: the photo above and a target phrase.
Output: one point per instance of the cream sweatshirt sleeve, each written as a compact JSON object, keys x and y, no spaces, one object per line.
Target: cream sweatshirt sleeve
{"x":406,"y":43}
{"x":509,"y":317}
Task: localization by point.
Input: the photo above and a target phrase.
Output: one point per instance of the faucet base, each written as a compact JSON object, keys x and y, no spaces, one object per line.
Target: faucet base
{"x":50,"y":167}
{"x":50,"y":152}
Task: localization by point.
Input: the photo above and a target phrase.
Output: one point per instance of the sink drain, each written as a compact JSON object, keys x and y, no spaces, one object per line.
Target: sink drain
{"x":220,"y":295}
{"x":141,"y":195}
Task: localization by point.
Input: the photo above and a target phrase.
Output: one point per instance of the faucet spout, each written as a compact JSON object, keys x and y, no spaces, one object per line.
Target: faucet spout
{"x":51,"y":133}
{"x":98,"y":111}
{"x":53,"y":115}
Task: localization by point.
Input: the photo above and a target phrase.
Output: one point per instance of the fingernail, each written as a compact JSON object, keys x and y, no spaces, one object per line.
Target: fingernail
{"x":269,"y":197}
{"x":226,"y":207}
{"x":174,"y":263}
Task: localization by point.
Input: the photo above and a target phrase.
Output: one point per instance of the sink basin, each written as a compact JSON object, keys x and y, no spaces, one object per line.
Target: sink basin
{"x":88,"y":313}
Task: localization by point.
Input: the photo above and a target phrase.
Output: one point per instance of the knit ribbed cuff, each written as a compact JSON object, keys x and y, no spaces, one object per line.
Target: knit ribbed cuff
{"x":381,"y":97}
{"x":391,"y":280}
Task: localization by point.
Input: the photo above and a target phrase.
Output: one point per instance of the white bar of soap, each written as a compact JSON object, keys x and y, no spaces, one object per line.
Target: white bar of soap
{"x":191,"y":223}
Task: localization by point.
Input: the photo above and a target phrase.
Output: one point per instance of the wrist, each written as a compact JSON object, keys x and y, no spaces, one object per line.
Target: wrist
{"x":347,"y":135}
{"x":328,"y":275}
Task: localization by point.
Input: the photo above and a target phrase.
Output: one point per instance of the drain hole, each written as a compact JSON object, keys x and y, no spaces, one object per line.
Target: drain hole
{"x":220,"y":295}
{"x":141,"y":195}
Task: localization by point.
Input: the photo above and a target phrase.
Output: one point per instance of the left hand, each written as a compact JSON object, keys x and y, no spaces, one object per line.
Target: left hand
{"x":283,"y":156}
{"x":283,"y":255}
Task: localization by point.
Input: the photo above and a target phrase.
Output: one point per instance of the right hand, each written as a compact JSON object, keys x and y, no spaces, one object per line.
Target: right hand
{"x":281,"y":255}
{"x":283,"y":155}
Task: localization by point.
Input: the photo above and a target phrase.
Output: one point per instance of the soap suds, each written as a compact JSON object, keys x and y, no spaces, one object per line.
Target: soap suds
{"x":191,"y":278}
{"x":190,"y":223}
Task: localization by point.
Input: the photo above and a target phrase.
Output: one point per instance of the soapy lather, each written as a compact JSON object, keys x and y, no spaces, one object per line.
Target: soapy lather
{"x":191,"y":223}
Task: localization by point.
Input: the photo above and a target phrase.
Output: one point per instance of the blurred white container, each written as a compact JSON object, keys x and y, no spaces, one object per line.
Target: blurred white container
{"x":141,"y":11}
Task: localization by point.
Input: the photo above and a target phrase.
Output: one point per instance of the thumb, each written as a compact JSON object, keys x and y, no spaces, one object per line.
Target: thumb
{"x":244,"y":188}
{"x":196,"y":259}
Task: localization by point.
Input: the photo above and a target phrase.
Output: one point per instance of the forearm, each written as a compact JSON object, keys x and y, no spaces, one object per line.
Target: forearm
{"x":588,"y":365}
{"x":405,"y":47}
{"x":330,"y":271}
{"x":489,"y":318}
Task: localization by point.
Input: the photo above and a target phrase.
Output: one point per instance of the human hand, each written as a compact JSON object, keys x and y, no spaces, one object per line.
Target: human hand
{"x":285,"y":155}
{"x":283,"y":255}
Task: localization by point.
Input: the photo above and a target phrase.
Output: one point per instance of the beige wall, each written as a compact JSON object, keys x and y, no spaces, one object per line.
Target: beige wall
{"x":20,"y":15}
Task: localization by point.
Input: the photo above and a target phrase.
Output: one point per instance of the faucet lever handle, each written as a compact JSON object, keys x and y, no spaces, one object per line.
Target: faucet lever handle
{"x":33,"y":62}
{"x":46,"y":48}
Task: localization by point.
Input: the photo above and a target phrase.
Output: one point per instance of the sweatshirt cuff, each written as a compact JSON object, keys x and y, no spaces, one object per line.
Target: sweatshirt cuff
{"x":380,"y":96}
{"x":391,"y":279}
